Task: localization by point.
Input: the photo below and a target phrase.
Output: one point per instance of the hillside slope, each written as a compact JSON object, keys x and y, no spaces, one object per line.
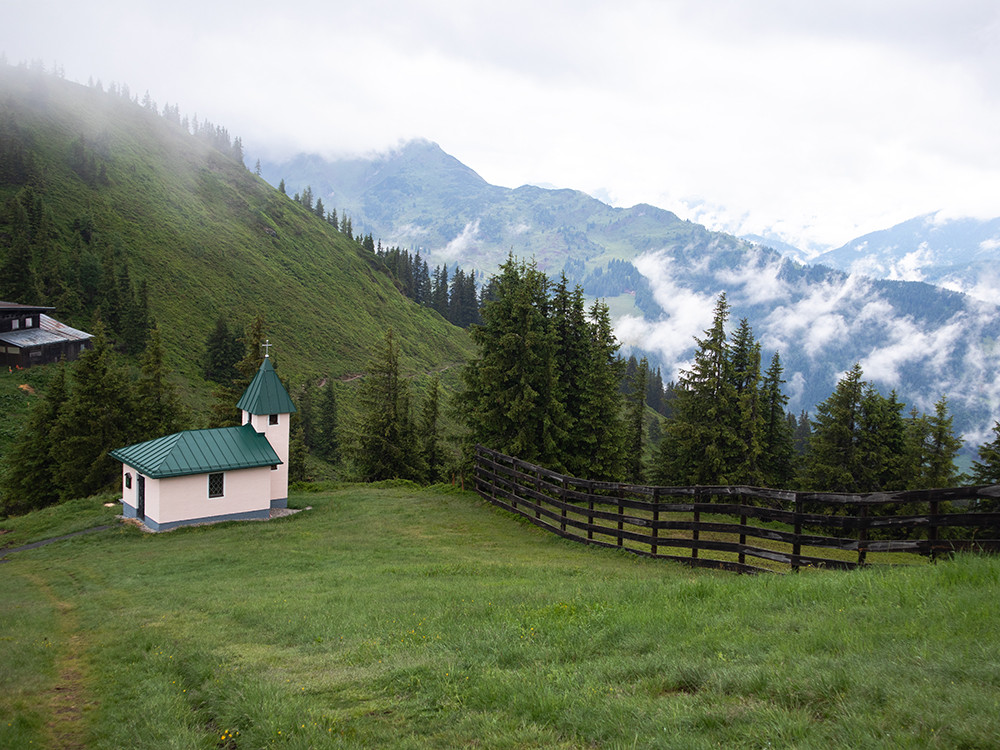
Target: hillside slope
{"x":208,"y":237}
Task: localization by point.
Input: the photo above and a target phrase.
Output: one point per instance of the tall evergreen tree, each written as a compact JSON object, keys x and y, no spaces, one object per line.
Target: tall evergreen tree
{"x":943,"y":447}
{"x":748,"y":421}
{"x":600,"y":425}
{"x":98,"y":417}
{"x":386,"y":446}
{"x":510,"y":400}
{"x":327,"y":429}
{"x":29,"y":479}
{"x":222,"y":351}
{"x":225,"y":397}
{"x":987,"y":469}
{"x":430,"y":436}
{"x":158,"y":405}
{"x":700,"y":445}
{"x":831,"y":459}
{"x":777,"y":461}
{"x":635,"y":399}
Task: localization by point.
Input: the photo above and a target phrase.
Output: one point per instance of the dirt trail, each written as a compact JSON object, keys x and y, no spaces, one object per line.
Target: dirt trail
{"x":68,"y":697}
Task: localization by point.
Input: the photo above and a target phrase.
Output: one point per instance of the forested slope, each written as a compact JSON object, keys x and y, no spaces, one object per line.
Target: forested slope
{"x":108,"y":200}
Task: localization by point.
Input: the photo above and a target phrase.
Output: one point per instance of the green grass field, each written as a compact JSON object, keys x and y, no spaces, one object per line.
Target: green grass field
{"x":391,"y":616}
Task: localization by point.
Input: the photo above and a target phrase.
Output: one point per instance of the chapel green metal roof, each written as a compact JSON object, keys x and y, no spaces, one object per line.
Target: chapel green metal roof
{"x":266,"y":394}
{"x":199,"y":452}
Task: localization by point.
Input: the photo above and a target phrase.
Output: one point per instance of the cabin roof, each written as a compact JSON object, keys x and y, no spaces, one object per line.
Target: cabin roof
{"x":49,"y":331}
{"x":266,"y":394}
{"x":19,"y":308}
{"x":199,"y":452}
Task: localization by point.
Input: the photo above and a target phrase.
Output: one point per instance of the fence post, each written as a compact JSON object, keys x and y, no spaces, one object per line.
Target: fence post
{"x":621,"y":512}
{"x":932,"y":529}
{"x":743,"y":532}
{"x":562,"y":511}
{"x":656,"y":519}
{"x":695,"y":532}
{"x":797,"y":544}
{"x":538,"y":491}
{"x":863,"y":535}
{"x":590,"y":509}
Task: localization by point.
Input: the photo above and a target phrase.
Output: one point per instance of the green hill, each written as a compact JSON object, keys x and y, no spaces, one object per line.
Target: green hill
{"x":181,"y":213}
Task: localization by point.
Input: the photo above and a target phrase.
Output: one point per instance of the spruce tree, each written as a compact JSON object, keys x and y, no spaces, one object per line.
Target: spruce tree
{"x":158,"y":406}
{"x":831,"y":460}
{"x":943,"y":447}
{"x":635,"y":399}
{"x":327,"y":439}
{"x":601,"y":424}
{"x":29,"y":480}
{"x":386,"y":445}
{"x":99,"y":416}
{"x":777,"y":460}
{"x":510,"y":399}
{"x":987,"y":469}
{"x":749,"y":419}
{"x":430,"y":437}
{"x":225,"y":397}
{"x":700,"y":445}
{"x":222,"y":351}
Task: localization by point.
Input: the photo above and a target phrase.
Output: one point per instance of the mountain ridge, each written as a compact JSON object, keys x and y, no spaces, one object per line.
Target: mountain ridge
{"x":919,"y":339}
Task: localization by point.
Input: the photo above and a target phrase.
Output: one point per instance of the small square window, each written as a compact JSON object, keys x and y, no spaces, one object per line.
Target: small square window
{"x":128,"y":481}
{"x":273,"y":419}
{"x":216,"y":485}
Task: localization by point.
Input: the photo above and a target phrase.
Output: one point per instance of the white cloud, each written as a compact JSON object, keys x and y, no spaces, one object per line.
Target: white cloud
{"x":811,"y":122}
{"x":757,"y":280}
{"x":461,"y":246}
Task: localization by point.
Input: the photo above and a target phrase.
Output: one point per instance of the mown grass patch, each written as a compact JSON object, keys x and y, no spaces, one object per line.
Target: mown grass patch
{"x":404,"y":617}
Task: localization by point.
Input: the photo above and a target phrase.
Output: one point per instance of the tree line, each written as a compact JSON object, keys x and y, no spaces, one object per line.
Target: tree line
{"x":452,"y":293}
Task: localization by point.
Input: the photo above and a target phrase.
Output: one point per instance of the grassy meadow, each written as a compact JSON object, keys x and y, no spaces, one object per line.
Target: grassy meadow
{"x":393,"y":616}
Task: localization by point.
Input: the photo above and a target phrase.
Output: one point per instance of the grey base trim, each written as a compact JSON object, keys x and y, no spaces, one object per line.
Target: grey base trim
{"x":279,"y":502}
{"x":250,"y":515}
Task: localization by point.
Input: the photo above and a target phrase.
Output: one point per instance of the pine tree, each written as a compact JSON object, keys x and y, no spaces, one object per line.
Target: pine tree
{"x":222,"y":351}
{"x":223,"y":411}
{"x":29,"y":480}
{"x":987,"y":469}
{"x":158,"y":406}
{"x":831,"y":460}
{"x":777,"y":460}
{"x":510,"y":401}
{"x":943,"y":447}
{"x":700,"y":445}
{"x":749,"y":419}
{"x":98,"y":417}
{"x":327,"y":430}
{"x":430,"y":437}
{"x":635,"y":399}
{"x":600,"y":425}
{"x":881,"y":443}
{"x":386,"y":447}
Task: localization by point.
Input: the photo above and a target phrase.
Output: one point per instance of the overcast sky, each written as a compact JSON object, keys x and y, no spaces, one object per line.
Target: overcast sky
{"x":817,"y":121}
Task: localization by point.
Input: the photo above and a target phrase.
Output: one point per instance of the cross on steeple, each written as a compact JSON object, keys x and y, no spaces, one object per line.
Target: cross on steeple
{"x":267,"y":346}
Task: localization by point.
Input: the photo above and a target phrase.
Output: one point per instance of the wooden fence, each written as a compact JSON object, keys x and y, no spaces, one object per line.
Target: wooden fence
{"x":721,"y":527}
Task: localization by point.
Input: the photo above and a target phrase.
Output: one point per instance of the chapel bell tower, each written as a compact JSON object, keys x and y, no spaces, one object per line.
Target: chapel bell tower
{"x":267,"y":407}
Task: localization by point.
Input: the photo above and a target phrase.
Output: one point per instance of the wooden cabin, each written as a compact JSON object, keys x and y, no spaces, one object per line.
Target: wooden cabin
{"x":28,"y":336}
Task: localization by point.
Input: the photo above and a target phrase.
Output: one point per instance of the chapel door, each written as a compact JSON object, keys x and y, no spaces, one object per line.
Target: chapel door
{"x":140,"y":497}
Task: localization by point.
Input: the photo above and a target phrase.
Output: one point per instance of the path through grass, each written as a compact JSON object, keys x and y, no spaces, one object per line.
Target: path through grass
{"x":400,"y":617}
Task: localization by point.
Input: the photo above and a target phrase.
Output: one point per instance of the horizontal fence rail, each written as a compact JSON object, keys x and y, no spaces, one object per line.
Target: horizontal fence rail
{"x":744,"y":529}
